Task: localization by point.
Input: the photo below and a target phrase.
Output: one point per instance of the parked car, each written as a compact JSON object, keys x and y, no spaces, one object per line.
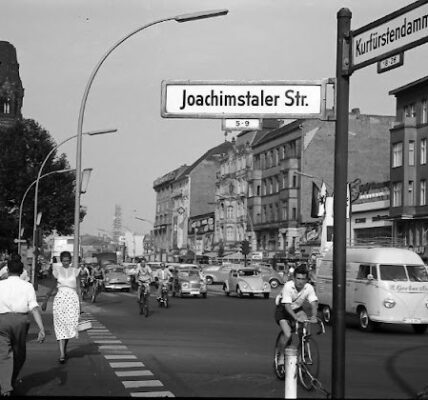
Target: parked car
{"x":270,"y":275}
{"x":246,"y":280}
{"x":216,"y":273}
{"x":116,"y":278}
{"x":188,"y":281}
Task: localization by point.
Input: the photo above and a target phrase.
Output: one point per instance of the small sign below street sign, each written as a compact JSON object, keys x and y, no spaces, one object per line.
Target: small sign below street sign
{"x":401,"y":30}
{"x":241,"y":124}
{"x":244,"y":99}
{"x":391,"y":62}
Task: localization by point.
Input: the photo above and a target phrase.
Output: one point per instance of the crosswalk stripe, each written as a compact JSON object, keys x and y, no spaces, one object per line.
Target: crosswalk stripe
{"x":119,"y":357}
{"x":144,"y":372}
{"x":126,"y":364}
{"x":113,"y":347}
{"x":152,"y":394}
{"x":138,"y":384}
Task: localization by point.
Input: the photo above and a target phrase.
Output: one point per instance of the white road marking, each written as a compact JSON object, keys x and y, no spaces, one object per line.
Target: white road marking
{"x":107,"y":341}
{"x":143,"y":372}
{"x":138,"y":384}
{"x":119,"y":357}
{"x":152,"y":394}
{"x":113,"y":347}
{"x":125,"y":364}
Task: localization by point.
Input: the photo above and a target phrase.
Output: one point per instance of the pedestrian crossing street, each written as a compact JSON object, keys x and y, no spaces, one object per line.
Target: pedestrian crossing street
{"x":134,"y":375}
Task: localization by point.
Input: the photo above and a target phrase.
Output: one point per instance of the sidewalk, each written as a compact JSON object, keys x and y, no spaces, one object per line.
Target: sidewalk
{"x":82,"y":375}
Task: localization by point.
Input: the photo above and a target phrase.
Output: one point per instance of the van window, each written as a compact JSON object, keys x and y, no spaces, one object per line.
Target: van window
{"x":365,"y":270}
{"x":417,"y":273}
{"x":392,"y":273}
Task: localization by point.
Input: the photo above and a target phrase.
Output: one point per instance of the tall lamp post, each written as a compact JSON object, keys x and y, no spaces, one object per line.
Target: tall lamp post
{"x":178,"y":18}
{"x":24,"y":197}
{"x":78,"y":185}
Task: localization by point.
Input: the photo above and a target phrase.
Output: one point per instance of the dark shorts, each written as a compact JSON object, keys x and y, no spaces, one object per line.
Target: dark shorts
{"x":282,"y":313}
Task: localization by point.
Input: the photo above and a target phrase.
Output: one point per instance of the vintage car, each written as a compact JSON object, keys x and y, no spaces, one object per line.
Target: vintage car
{"x":216,"y":273}
{"x":116,"y":278}
{"x":188,"y":281}
{"x":270,"y":275}
{"x":246,"y":280}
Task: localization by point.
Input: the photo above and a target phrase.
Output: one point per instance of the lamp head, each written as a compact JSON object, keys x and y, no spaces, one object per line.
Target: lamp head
{"x":200,"y":15}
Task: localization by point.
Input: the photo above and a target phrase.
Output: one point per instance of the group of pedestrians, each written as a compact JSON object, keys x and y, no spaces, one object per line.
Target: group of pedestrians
{"x":18,"y":299}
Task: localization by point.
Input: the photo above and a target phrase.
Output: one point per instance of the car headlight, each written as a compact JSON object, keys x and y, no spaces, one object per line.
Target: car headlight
{"x":184,"y":285}
{"x":244,"y":284}
{"x":107,"y":279}
{"x":389,"y":303}
{"x":128,"y":278}
{"x":266,"y":285}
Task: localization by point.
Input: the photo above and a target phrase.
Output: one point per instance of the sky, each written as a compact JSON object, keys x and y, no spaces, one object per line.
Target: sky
{"x":59,"y":42}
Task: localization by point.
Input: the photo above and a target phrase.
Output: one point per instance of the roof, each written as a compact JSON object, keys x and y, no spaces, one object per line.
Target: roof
{"x":169,"y":176}
{"x":410,"y":85}
{"x":271,"y":134}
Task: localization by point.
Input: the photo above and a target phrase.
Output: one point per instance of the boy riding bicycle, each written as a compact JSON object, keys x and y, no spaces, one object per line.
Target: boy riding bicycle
{"x":163,"y":275}
{"x":295,"y":295}
{"x":143,"y":276}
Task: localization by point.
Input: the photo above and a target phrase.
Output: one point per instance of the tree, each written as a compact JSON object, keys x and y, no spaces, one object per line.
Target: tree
{"x":24,"y":146}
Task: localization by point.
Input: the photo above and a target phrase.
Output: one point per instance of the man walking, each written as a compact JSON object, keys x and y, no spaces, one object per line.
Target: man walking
{"x":17,"y":299}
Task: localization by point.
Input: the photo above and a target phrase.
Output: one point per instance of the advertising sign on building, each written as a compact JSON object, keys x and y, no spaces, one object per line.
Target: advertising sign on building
{"x":244,"y":99}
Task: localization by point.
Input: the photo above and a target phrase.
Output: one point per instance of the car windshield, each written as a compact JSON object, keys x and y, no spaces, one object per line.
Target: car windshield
{"x":416,"y":273}
{"x":114,"y":269}
{"x":249,"y":272}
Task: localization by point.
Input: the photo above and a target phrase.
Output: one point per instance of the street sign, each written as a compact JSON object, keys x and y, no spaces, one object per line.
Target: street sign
{"x":391,"y":62}
{"x":19,"y":241}
{"x":241,"y":124}
{"x":401,"y":30}
{"x":244,"y":99}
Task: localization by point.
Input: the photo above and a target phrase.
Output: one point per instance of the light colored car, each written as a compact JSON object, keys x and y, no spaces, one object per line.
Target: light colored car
{"x":270,"y":275}
{"x":116,"y":278}
{"x":188,"y":281}
{"x":216,"y":273}
{"x":246,"y":280}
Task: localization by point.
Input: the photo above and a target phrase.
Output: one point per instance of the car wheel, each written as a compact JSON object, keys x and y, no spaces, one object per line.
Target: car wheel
{"x":366,"y":324}
{"x":204,"y":295}
{"x":266,"y":295}
{"x":239,"y":292}
{"x":274,"y":283}
{"x":209,"y":280}
{"x":326,"y":314}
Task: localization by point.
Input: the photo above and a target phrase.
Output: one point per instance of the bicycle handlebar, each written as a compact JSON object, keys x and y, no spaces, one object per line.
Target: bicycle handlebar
{"x":319,"y":322}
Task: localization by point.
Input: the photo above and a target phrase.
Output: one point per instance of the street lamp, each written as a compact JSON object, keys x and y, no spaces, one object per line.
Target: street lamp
{"x":179,"y":18}
{"x":25,"y":195}
{"x":78,"y":185}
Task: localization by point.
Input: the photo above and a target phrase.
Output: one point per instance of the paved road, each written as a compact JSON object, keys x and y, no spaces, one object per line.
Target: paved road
{"x":217,"y":347}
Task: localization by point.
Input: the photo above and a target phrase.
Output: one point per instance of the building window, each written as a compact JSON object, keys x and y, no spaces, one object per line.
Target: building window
{"x":284,"y":210}
{"x":258,"y":190}
{"x":423,"y":151}
{"x":284,"y":180}
{"x":423,"y":193}
{"x":263,"y":188}
{"x":397,"y":155}
{"x":230,"y":212}
{"x":294,"y":181}
{"x":411,"y":194}
{"x":410,"y":110}
{"x":396,"y":194}
{"x":276,"y":184}
{"x":294,"y":213}
{"x":229,"y":233}
{"x":411,"y":152}
{"x":282,"y":152}
{"x":424,"y":118}
{"x":264,"y":214}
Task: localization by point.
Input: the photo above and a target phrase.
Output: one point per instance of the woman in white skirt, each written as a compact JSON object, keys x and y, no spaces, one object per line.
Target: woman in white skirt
{"x":66,"y":305}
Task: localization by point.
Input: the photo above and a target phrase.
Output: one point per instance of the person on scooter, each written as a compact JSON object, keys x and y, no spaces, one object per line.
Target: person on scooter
{"x":163,"y":275}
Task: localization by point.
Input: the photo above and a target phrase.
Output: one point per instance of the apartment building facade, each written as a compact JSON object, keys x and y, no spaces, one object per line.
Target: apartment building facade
{"x":408,"y":168}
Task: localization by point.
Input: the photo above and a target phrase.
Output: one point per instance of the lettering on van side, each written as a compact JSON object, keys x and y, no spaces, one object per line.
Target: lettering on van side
{"x":398,"y":287}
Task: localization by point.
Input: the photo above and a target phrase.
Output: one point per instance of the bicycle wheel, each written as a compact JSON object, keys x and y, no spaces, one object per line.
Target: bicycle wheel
{"x":146,"y":306}
{"x":279,"y":357}
{"x":308,"y":363}
{"x":94,"y":292}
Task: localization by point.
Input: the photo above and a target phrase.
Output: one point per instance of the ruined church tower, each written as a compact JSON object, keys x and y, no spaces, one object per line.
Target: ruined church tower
{"x":11,"y":90}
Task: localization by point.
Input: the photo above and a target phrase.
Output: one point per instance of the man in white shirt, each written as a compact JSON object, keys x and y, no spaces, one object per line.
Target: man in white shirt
{"x":163,"y":274}
{"x":17,"y":299}
{"x":295,"y":295}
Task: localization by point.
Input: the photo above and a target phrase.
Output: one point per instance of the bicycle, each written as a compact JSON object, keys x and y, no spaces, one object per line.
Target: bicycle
{"x":163,"y":300}
{"x":143,"y":299}
{"x":308,"y":361}
{"x":84,"y":287}
{"x":96,"y":288}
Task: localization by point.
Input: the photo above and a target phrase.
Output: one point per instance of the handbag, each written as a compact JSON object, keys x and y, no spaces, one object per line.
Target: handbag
{"x":84,"y":326}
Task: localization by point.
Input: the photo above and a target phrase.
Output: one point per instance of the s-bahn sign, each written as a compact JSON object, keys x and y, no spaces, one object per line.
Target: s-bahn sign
{"x":401,"y":30}
{"x":239,"y":99}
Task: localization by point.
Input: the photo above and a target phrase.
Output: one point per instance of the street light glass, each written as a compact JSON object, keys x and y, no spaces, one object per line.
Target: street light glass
{"x":200,"y":15}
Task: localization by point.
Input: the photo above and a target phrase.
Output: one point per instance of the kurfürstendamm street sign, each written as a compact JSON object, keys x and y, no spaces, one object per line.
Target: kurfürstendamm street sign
{"x":401,"y":30}
{"x":244,"y":99}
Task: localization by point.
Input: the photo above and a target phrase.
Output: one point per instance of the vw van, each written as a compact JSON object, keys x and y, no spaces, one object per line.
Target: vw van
{"x":383,"y":285}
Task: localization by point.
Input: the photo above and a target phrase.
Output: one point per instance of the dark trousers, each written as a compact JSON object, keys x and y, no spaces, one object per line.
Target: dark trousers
{"x":13,"y":348}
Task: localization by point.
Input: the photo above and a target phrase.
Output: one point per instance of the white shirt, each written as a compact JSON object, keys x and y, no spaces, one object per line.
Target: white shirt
{"x":290,"y":295}
{"x":163,"y":274}
{"x":16,"y":295}
{"x":66,"y":277}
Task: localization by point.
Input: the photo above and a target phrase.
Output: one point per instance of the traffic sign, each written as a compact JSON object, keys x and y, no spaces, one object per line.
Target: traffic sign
{"x":244,"y":99}
{"x":242,"y":124}
{"x":19,"y":241}
{"x":401,"y":30}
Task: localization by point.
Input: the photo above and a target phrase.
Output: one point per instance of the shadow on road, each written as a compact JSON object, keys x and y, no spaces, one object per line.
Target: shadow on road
{"x":29,"y":382}
{"x":393,"y":368}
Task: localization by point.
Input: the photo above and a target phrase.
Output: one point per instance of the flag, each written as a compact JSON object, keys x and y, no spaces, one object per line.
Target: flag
{"x":318,"y":200}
